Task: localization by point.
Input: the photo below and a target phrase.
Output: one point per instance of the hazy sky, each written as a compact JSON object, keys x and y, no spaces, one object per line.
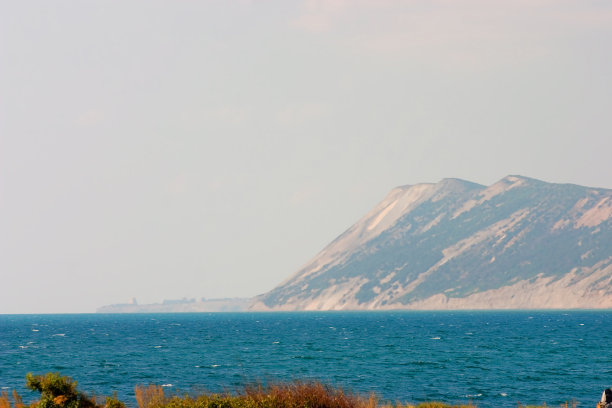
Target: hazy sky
{"x":169,"y":149}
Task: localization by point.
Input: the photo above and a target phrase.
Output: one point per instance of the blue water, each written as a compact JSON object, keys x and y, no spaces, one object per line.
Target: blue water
{"x":492,"y":358}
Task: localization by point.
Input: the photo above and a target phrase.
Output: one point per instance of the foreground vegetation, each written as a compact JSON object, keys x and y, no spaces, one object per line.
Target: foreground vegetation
{"x":57,"y":391}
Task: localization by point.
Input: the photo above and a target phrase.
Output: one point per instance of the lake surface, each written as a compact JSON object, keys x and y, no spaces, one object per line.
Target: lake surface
{"x":492,"y":358}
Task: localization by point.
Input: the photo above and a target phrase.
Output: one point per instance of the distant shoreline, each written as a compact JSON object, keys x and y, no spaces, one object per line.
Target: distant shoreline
{"x":181,"y":306}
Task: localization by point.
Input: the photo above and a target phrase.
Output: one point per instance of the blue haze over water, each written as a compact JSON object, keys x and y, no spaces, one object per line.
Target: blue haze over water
{"x":492,"y":358}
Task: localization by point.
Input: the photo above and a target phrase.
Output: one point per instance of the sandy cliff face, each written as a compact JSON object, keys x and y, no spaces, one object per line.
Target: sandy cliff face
{"x":519,"y":243}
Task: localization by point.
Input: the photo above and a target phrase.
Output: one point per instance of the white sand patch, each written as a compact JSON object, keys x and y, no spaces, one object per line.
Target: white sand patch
{"x":516,"y":238}
{"x":387,"y":278}
{"x":407,"y":199}
{"x":505,"y":184}
{"x":433,"y":223}
{"x":561,"y":224}
{"x":380,"y":216}
{"x":597,"y":214}
{"x":469,"y":204}
{"x":579,"y":205}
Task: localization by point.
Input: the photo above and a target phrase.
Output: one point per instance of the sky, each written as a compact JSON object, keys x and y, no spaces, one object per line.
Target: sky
{"x":169,"y":149}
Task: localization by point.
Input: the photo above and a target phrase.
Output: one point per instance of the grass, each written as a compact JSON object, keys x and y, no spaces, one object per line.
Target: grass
{"x":61,"y":392}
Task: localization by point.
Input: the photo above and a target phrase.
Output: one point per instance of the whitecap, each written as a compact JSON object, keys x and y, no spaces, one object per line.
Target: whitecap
{"x":166,"y":385}
{"x":215,"y":365}
{"x":503,"y":394}
{"x":434,"y":338}
{"x":60,"y":334}
{"x":157,"y":346}
{"x":35,"y":330}
{"x":276,"y":342}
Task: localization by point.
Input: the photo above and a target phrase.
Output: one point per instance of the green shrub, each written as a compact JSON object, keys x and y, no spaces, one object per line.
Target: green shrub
{"x":57,"y":391}
{"x":113,"y":402}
